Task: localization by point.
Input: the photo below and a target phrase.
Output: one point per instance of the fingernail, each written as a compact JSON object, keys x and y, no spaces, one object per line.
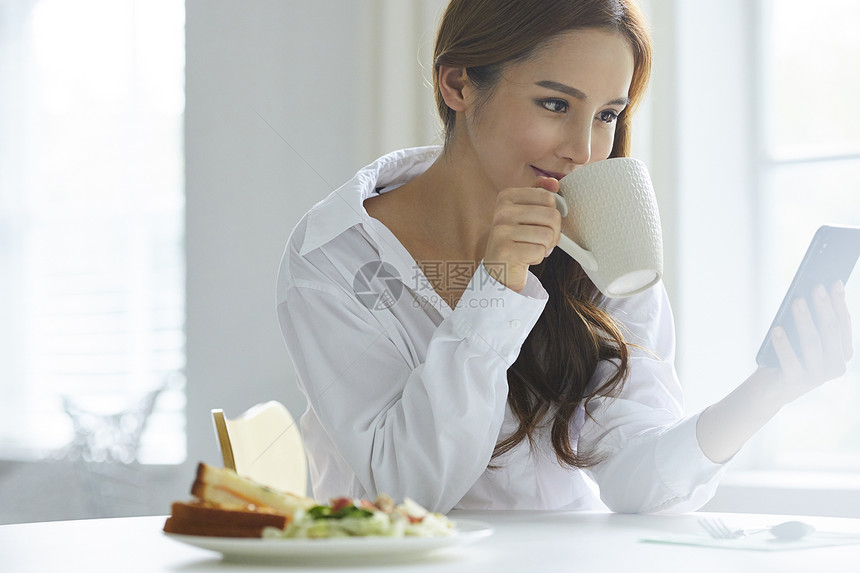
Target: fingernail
{"x":549,"y":251}
{"x":778,"y":333}
{"x":840,"y":288}
{"x":820,"y":292}
{"x":801,"y":305}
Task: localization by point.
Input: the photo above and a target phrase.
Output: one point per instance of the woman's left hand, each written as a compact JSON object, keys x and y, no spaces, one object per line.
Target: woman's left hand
{"x":825,"y":345}
{"x":824,"y":350}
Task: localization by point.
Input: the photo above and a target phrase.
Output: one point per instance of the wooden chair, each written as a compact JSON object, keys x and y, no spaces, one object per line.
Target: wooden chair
{"x":264,"y":444}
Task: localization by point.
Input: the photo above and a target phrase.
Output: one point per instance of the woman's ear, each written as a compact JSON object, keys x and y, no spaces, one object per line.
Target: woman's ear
{"x":455,"y":87}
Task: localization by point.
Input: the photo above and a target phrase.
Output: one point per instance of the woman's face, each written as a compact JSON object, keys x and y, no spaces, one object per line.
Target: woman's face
{"x":552,"y":113}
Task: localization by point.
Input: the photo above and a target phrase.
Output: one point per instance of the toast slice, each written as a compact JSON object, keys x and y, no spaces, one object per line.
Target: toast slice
{"x":221,"y":486}
{"x":197,"y":518}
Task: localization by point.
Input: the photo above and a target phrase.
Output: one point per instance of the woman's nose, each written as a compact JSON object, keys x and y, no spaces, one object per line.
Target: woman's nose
{"x":576,"y":146}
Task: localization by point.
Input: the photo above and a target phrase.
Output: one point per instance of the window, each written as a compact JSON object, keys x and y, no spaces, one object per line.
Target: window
{"x":91,"y":217}
{"x":808,"y":175}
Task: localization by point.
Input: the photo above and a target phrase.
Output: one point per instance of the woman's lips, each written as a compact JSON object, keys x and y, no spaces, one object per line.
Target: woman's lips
{"x":543,"y":173}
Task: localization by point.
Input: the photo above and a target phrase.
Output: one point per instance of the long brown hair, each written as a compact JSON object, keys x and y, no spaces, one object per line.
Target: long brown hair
{"x":550,"y":379}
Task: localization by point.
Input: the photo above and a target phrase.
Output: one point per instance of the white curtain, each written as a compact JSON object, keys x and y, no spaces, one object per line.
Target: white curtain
{"x":398,"y":109}
{"x":91,"y":211}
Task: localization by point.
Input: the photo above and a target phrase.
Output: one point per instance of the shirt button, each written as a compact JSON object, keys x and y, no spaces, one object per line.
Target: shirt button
{"x":515,"y":324}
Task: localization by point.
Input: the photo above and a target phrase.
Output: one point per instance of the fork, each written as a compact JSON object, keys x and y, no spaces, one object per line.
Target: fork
{"x":787,"y":531}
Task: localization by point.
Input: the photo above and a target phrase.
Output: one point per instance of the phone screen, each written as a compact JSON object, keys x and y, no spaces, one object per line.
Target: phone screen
{"x":831,"y":256}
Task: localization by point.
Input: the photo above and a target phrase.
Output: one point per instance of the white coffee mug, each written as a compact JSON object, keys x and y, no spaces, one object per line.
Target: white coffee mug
{"x":611,"y":225}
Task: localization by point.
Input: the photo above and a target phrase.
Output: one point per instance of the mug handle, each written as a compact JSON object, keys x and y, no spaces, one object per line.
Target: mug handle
{"x":583,"y":257}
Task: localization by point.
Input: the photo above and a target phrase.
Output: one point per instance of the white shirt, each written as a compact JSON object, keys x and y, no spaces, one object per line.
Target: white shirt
{"x":409,"y":397}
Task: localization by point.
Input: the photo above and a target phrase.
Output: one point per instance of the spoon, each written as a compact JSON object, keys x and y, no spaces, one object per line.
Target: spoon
{"x":786,"y":531}
{"x":791,"y":530}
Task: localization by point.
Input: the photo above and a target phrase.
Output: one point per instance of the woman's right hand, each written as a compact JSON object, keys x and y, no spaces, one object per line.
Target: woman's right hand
{"x":526,"y":227}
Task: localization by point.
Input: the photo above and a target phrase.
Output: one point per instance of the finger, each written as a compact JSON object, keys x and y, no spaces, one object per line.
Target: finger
{"x":534,"y":235}
{"x":528,"y":215}
{"x":843,"y":317}
{"x":528,"y":252}
{"x":549,"y":183}
{"x":541,"y":217}
{"x":537,"y":253}
{"x":809,"y":339}
{"x":528,"y":196}
{"x":560,"y":205}
{"x":789,"y":363}
{"x":830,"y":334}
{"x":828,"y":328}
{"x":556,"y":237}
{"x":524,"y":243}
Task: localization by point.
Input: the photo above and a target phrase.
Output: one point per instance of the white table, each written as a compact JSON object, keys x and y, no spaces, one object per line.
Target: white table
{"x":523,"y":541}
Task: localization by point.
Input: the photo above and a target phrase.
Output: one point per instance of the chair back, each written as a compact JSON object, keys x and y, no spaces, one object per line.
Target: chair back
{"x":264,"y":444}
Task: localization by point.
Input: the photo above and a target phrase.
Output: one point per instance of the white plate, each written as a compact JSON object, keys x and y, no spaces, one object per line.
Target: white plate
{"x":233,"y":548}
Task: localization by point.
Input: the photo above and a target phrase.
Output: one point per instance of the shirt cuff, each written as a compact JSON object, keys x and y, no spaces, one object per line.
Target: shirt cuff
{"x":689,"y":468}
{"x":500,"y":317}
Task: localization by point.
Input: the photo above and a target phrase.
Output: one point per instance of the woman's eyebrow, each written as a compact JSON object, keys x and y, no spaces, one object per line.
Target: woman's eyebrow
{"x":575,"y":93}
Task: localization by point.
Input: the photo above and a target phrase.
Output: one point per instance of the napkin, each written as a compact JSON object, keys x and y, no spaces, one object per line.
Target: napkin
{"x":759,"y":542}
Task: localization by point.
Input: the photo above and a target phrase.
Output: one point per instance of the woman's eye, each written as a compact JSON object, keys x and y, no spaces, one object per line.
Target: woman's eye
{"x":554,"y":105}
{"x":607,"y":116}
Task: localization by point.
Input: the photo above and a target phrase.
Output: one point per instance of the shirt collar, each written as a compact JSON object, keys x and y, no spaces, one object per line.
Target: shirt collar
{"x":343,"y":208}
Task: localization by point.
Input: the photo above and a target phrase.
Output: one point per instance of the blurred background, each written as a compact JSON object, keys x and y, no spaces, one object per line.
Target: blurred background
{"x":155,"y":155}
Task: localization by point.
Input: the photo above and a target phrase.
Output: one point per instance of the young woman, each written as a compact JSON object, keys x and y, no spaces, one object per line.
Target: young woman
{"x":450,"y":354}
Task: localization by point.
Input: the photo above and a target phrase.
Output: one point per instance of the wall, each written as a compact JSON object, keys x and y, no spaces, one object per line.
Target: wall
{"x":285,"y":101}
{"x":272,"y":90}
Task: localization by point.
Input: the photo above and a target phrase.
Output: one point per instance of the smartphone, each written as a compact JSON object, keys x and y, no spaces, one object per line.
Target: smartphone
{"x":831,"y":256}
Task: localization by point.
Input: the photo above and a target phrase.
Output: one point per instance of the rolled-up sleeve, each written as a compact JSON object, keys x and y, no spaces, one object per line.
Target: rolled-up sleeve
{"x":652,"y":458}
{"x":424,"y":430}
